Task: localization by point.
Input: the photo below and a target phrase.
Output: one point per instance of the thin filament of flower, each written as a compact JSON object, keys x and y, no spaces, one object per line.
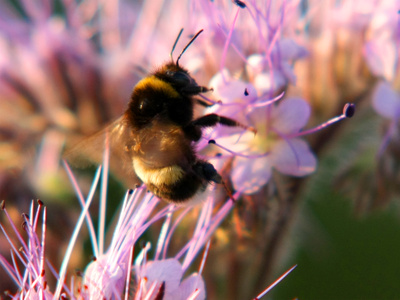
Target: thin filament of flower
{"x":319,"y":127}
{"x":103,"y":193}
{"x":163,"y":233}
{"x":68,"y":253}
{"x":44,"y":220}
{"x":34,"y":225}
{"x":16,"y":251}
{"x":15,"y":276}
{"x":171,"y":231}
{"x":240,"y":54}
{"x":205,"y":255}
{"x":228,"y":40}
{"x":266,"y":102}
{"x":272,"y":285}
{"x":199,"y":232}
{"x":237,"y":153}
{"x":151,"y":291}
{"x":81,"y":199}
{"x":193,"y":296}
{"x":129,"y":272}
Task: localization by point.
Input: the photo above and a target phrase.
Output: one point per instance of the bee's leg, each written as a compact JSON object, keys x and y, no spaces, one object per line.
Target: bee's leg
{"x":204,"y":103}
{"x":193,"y":129}
{"x":207,"y":171}
{"x":214,"y":119}
{"x":191,"y":90}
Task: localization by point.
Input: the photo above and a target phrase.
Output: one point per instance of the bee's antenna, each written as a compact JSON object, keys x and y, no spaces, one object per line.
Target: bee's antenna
{"x":176,"y":42}
{"x":187,"y":46}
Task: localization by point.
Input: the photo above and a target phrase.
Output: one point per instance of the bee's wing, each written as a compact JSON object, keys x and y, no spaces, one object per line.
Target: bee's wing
{"x":119,"y":137}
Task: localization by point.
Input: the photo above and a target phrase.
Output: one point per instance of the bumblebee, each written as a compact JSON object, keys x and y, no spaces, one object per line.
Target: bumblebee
{"x":154,"y":140}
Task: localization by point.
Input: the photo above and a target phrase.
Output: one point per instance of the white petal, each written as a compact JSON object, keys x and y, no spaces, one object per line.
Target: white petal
{"x":103,"y":278}
{"x":288,"y":49}
{"x":239,"y":143}
{"x":188,"y":287}
{"x":227,"y":88}
{"x":250,"y":174}
{"x":168,"y":271}
{"x":381,"y":57}
{"x":255,"y":64}
{"x":267,"y":82}
{"x":291,"y":115}
{"x":386,"y":101}
{"x":293,"y":157}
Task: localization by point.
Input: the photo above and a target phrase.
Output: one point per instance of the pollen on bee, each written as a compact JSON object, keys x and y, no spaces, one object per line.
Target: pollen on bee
{"x":136,"y":148}
{"x":154,"y":83}
{"x":167,"y":175}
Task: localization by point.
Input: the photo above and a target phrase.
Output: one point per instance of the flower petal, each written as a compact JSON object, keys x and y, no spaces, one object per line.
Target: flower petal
{"x":269,"y":82}
{"x":249,"y":175}
{"x":255,"y":65}
{"x":291,"y":115}
{"x":227,"y":88}
{"x":188,"y":287}
{"x":103,"y":279}
{"x":381,"y":57}
{"x":288,"y":49}
{"x":168,"y":271}
{"x":293,"y":157}
{"x":239,"y":143}
{"x":386,"y":101}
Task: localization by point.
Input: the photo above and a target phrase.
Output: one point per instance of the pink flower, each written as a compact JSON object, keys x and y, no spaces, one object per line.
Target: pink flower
{"x":107,"y":275}
{"x":168,"y":273}
{"x":273,"y":74}
{"x":32,"y":280}
{"x":276,"y":144}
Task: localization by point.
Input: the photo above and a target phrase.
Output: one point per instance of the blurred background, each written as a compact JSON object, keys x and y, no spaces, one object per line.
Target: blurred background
{"x":67,"y":69}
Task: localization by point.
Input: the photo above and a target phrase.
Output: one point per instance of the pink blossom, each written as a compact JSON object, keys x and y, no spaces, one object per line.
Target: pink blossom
{"x":276,"y":144}
{"x":169,"y":272}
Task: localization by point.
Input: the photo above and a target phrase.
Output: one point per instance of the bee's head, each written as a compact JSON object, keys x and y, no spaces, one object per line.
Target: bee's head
{"x":177,"y":76}
{"x":167,"y":91}
{"x":179,"y":79}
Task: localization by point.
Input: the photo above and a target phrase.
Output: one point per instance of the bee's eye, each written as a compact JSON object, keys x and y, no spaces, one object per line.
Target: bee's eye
{"x":180,"y":78}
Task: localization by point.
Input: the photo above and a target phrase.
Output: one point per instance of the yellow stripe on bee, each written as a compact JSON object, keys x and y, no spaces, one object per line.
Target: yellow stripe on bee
{"x":153,"y":82}
{"x":167,"y":175}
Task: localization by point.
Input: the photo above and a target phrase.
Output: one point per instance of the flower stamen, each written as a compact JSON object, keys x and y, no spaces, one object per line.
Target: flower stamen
{"x":237,"y":153}
{"x":348,"y":112}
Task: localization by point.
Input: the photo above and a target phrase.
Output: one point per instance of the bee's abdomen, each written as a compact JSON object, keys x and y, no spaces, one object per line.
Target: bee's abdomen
{"x":176,"y":183}
{"x":169,"y":183}
{"x":181,"y":190}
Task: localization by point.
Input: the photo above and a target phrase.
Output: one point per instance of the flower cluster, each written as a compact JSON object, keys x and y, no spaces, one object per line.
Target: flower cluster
{"x":112,"y":274}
